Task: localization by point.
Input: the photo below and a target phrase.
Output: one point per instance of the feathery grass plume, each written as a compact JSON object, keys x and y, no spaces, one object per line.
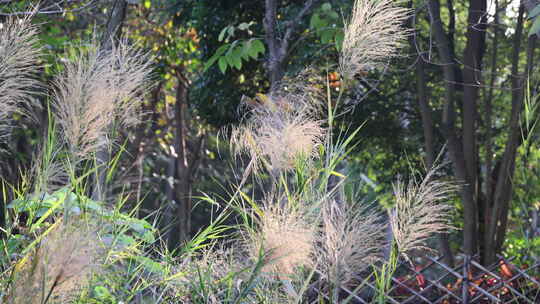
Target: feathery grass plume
{"x":304,"y":93}
{"x":350,"y":240}
{"x":59,"y":266}
{"x":420,"y":211}
{"x":372,"y":36}
{"x":281,"y":129}
{"x":99,"y":90}
{"x":286,"y":237}
{"x":19,"y":55}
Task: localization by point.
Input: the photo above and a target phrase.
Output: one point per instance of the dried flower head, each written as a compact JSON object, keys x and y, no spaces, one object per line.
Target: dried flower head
{"x":372,"y":36}
{"x":420,"y":211}
{"x":285,"y":236}
{"x":98,"y":90}
{"x":280,"y":130}
{"x":60,"y":265}
{"x":19,"y":55}
{"x":351,"y":239}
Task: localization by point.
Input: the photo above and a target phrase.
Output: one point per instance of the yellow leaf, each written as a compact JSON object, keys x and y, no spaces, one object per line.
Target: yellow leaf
{"x":70,"y":16}
{"x":337,"y":174}
{"x":262,"y":98}
{"x":170,"y":99}
{"x":161,"y":122}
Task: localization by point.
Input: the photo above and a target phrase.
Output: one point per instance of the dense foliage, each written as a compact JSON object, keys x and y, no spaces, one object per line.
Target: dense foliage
{"x":163,"y":151}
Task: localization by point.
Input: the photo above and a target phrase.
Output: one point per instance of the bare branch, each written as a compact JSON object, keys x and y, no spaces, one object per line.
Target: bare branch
{"x":59,"y":7}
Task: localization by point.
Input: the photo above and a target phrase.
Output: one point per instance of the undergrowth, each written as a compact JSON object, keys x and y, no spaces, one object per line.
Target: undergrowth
{"x":306,"y":239}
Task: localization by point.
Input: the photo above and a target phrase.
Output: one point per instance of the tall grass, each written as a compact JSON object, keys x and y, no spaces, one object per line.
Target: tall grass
{"x":301,"y":239}
{"x":96,"y":88}
{"x":19,"y":55}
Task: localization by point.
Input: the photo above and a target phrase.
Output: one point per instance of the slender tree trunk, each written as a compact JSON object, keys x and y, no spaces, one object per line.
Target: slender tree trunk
{"x":503,"y":186}
{"x":167,"y":223}
{"x":429,"y":138}
{"x":488,"y":177}
{"x":429,"y":145}
{"x":507,"y":195}
{"x":455,"y":148}
{"x":183,"y":188}
{"x":274,"y":61}
{"x":278,"y":46}
{"x":473,"y":56}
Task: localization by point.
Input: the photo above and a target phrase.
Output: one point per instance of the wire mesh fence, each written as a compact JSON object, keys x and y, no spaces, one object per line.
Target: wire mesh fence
{"x":429,"y":280}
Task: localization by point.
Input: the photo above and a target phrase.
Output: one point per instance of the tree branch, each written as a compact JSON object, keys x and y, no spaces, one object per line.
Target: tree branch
{"x":278,"y":47}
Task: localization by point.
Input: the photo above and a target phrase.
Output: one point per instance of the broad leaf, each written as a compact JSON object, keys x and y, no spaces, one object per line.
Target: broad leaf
{"x":222,"y":64}
{"x":534,"y":12}
{"x":535,"y":29}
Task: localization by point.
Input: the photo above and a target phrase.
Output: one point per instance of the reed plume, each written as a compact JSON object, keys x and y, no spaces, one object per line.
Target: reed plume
{"x":420,"y":211}
{"x":280,"y":130}
{"x":99,"y":90}
{"x":285,"y":235}
{"x":59,"y":266}
{"x":350,"y":240}
{"x":19,"y":57}
{"x":373,"y":35}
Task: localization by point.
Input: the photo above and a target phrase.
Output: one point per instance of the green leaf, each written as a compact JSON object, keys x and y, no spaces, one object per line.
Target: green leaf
{"x":215,"y":57}
{"x":252,"y":51}
{"x":534,"y":12}
{"x":327,"y":35}
{"x":246,"y":46}
{"x":231,"y":31}
{"x":315,"y":21}
{"x":259,"y":46}
{"x":92,"y":205}
{"x":236,"y":58}
{"x":125,"y":240}
{"x":222,"y":64}
{"x":326,"y":6}
{"x":535,"y":29}
{"x":148,"y":237}
{"x":222,"y":33}
{"x":19,"y":204}
{"x":150,"y":265}
{"x":229,"y":57}
{"x":340,"y":36}
{"x":102,"y":293}
{"x":244,"y":26}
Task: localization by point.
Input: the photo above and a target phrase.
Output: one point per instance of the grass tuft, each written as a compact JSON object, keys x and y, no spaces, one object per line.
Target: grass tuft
{"x":373,"y":35}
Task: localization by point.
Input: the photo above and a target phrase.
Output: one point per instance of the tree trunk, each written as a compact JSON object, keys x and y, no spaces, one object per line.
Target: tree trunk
{"x":278,"y":47}
{"x":448,"y":127}
{"x":274,"y":61}
{"x":429,"y":138}
{"x":503,"y":186}
{"x":181,"y":232}
{"x":473,"y":56}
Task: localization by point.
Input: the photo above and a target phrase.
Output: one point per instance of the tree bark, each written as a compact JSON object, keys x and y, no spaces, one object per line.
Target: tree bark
{"x":508,"y":185}
{"x":455,"y":148}
{"x":278,"y":47}
{"x":429,"y":138}
{"x":182,"y":190}
{"x":488,"y":107}
{"x":274,"y":63}
{"x":503,"y":186}
{"x":473,"y":56}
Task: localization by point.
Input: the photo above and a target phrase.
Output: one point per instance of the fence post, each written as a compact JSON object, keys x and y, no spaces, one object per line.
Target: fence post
{"x":465,"y":282}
